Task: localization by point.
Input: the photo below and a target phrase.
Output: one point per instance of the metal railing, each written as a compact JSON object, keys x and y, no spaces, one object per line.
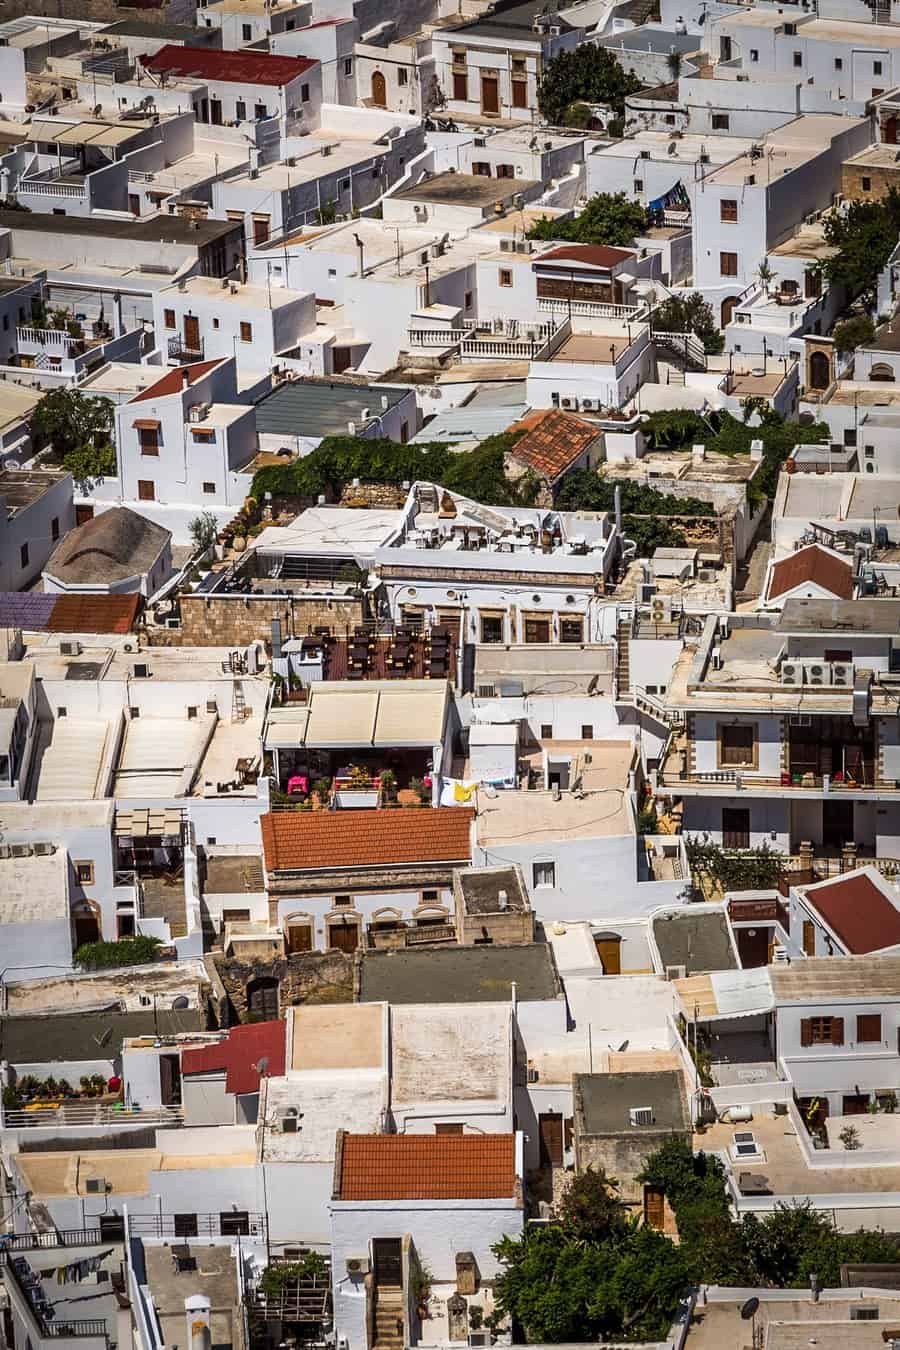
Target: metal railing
{"x":437,"y":932}
{"x":64,"y":1329}
{"x":61,"y":1237}
{"x":687,"y":345}
{"x":70,"y":1115}
{"x":57,"y":189}
{"x":181,"y":351}
{"x":187,"y":1226}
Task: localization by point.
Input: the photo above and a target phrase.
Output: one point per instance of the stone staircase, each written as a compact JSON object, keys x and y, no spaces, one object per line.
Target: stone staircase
{"x":623,"y":660}
{"x":388,"y":1320}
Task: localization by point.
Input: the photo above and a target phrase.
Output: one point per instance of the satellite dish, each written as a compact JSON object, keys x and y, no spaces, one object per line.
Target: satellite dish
{"x":749,"y":1309}
{"x":263,"y":1066}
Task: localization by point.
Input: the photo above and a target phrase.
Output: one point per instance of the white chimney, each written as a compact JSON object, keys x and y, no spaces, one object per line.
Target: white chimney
{"x":698,"y":454}
{"x":502,"y":900}
{"x":198,"y":1315}
{"x":756,"y":451}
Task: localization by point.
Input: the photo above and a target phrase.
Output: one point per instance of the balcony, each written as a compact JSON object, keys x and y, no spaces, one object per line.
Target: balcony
{"x":181,"y":351}
{"x":73,"y":1115}
{"x":589,"y":309}
{"x":502,"y":340}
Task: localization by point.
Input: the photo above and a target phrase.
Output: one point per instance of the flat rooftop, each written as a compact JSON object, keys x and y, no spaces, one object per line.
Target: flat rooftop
{"x":680,"y":464}
{"x":794,"y":1322}
{"x":464,"y":189}
{"x":603,"y":1101}
{"x":506,"y":817}
{"x":233,"y":874}
{"x":83,"y":990}
{"x":808,"y":242}
{"x":700,"y":941}
{"x":459,"y":975}
{"x":460,"y":1053}
{"x":592,"y":348}
{"x":152,"y":230}
{"x":785,"y":149}
{"x":35,"y":890}
{"x":353,"y":1100}
{"x":337,"y":1036}
{"x":20,"y":488}
{"x":323,"y":408}
{"x":819,"y":978}
{"x":481,"y":886}
{"x":215,"y":1278}
{"x":35,"y":1039}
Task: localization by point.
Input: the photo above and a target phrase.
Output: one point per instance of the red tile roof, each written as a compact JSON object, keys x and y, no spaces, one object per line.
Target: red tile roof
{"x":365,"y":838}
{"x":230,"y":67}
{"x":427,"y":1167}
{"x":173,"y":380}
{"x":553,"y":441}
{"x":816,"y":565}
{"x":94,"y":614}
{"x":240,"y":1054}
{"x":592,"y":255}
{"x":858,"y":912}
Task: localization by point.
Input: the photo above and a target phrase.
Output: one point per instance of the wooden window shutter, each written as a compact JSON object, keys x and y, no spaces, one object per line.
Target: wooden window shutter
{"x":568,"y":1130}
{"x":837,"y":1031}
{"x":806,"y":1031}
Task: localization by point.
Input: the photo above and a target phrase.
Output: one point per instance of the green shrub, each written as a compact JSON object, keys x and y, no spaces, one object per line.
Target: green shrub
{"x":130,"y":951}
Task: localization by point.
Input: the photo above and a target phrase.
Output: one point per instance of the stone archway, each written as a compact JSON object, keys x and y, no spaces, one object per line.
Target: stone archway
{"x":729,"y":304}
{"x":819,"y":371}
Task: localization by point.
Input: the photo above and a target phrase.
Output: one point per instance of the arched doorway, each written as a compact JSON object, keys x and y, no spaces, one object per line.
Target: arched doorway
{"x":819,"y":371}
{"x":379,"y":89}
{"x":86,"y":918}
{"x":262,"y":999}
{"x":728,"y":308}
{"x":882,"y":371}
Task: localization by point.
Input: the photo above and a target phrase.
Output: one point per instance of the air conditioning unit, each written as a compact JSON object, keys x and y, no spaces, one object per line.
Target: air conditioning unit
{"x":791,"y":672}
{"x":818,"y":673}
{"x":507,"y":245}
{"x":486,"y":691}
{"x":358,"y":1265}
{"x":22,"y":850}
{"x":661,"y":609}
{"x":479,"y":1338}
{"x":640,"y":1115}
{"x":96,"y":1186}
{"x":779,"y":954}
{"x":70,"y":649}
{"x":523,"y":245}
{"x":5,"y":851}
{"x":676,"y":972}
{"x":570,"y":403}
{"x":44,"y":850}
{"x":532,"y":1075}
{"x":589,"y":404}
{"x":842,"y":673}
{"x":715,"y":658}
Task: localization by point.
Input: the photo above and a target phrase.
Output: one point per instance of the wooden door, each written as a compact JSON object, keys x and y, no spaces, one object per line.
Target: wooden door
{"x":87,"y":929}
{"x":344,"y":935}
{"x":490,"y":93}
{"x":379,"y":89}
{"x":83,"y":514}
{"x":654,"y":1207}
{"x":192,"y":332}
{"x":728,"y":307}
{"x":837,"y":824}
{"x":387,"y":1263}
{"x":854,"y":1105}
{"x":889,"y":131}
{"x":215,"y":111}
{"x":550,"y":1130}
{"x":262,"y":1000}
{"x":735,"y":827}
{"x":299,"y":938}
{"x":146,"y":490}
{"x":170,"y":1080}
{"x":809,"y":937}
{"x":609,"y":950}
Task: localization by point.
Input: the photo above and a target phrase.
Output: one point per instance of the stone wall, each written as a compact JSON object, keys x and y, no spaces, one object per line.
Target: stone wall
{"x":310,"y":977}
{"x":879,"y":181}
{"x":230,"y":621}
{"x":378,"y":496}
{"x":99,"y":11}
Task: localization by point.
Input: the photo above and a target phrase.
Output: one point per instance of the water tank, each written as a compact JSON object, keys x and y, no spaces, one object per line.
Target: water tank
{"x":733,"y":1114}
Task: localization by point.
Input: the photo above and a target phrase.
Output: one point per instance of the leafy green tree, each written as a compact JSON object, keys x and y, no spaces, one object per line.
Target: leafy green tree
{"x":69,"y":419}
{"x":203,"y":529}
{"x":479,"y":474}
{"x":89,"y":463}
{"x":864,"y":236}
{"x":586,"y":490}
{"x":591,"y":1207}
{"x":677,"y":429}
{"x":857,"y":331}
{"x":690,"y":314}
{"x":587,"y":74}
{"x":748,"y":869}
{"x":648,"y":534}
{"x":608,"y":218}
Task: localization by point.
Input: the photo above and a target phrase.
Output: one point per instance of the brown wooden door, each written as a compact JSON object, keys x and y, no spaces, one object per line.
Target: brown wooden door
{"x":387,"y":1263}
{"x":215,"y":111}
{"x":344,"y":935}
{"x":146,"y":490}
{"x":809,"y":937}
{"x":550,"y":1129}
{"x":735,"y":827}
{"x":87,"y":929}
{"x":853,"y":1105}
{"x":83,"y":514}
{"x":837,"y":824}
{"x":490,"y":92}
{"x":654,"y":1207}
{"x":170,"y":1080}
{"x":299,"y":937}
{"x":889,"y":131}
{"x":379,"y":89}
{"x":192,"y":332}
{"x":609,"y":950}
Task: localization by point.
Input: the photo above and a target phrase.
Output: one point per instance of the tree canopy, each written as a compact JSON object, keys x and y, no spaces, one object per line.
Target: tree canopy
{"x":69,"y":420}
{"x":608,"y":218}
{"x":587,"y":74}
{"x":865,"y":236}
{"x":690,"y":314}
{"x":853,"y":332}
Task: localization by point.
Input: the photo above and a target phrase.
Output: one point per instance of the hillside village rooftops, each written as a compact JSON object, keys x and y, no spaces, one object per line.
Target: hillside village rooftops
{"x":464,"y":189}
{"x":323,"y":408}
{"x":35,"y":890}
{"x":511,"y":21}
{"x":239,"y":1054}
{"x":455,"y":1053}
{"x":113,"y":546}
{"x":337,"y":1036}
{"x":604,"y":1101}
{"x":699,"y":941}
{"x":124,"y":987}
{"x":821,"y":978}
{"x":426,"y":1167}
{"x":342,"y":714}
{"x":552,"y":441}
{"x":20,"y":488}
{"x":785,"y":149}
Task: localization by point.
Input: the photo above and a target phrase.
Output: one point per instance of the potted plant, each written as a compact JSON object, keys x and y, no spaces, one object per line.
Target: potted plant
{"x":389,"y":785}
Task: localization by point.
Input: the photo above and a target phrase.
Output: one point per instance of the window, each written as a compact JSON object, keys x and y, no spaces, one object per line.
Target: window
{"x":737,"y":745}
{"x":430,"y":897}
{"x":728,"y":210}
{"x":54,"y":528}
{"x":348,"y":66}
{"x":304,"y":93}
{"x":519,"y":91}
{"x":246,"y":32}
{"x":343,"y":901}
{"x":260,"y":110}
{"x":481,"y":168}
{"x":343,"y":185}
{"x":84,"y":873}
{"x":728,"y":264}
{"x":169,"y":318}
{"x":838,"y":63}
{"x":506,"y":171}
{"x":246,"y":332}
{"x":546,"y":731}
{"x":23,"y":555}
{"x":148,"y":438}
{"x":448,"y":1127}
{"x":404,"y":432}
{"x":867,"y":185}
{"x":209,"y":489}
{"x":754,"y":54}
{"x":505,"y":276}
{"x":491,"y":627}
{"x":720,"y":121}
{"x":467,"y":303}
{"x":798,"y":58}
{"x":822,"y":1031}
{"x":146,"y":490}
{"x":639,"y":185}
{"x":669,"y":119}
{"x":235,"y":1223}
{"x":876,"y":68}
{"x":543,"y":874}
{"x":402,"y":76}
{"x":868,"y":1027}
{"x":571,"y":630}
{"x":587,"y":732}
{"x":537,"y":630}
{"x":185,"y":1225}
{"x":240,"y":110}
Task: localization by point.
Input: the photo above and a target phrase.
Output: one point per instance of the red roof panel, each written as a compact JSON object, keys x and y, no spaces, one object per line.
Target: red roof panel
{"x":173,"y":380}
{"x":428,"y":1167}
{"x":816,"y":565}
{"x":365,"y":838}
{"x":240,"y":1053}
{"x":593,"y":255}
{"x":229,"y":67}
{"x":94,"y":614}
{"x":859,"y":913}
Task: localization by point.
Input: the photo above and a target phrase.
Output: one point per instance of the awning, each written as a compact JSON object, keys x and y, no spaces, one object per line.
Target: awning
{"x":146,"y":424}
{"x":287,"y":728}
{"x":147,"y":821}
{"x":408,"y":719}
{"x":342,"y":719}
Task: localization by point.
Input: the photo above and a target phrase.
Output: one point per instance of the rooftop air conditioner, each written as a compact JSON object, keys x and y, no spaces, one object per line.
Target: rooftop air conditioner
{"x":661,"y":609}
{"x":479,"y":1338}
{"x":588,"y":404}
{"x":842,"y":673}
{"x":818,"y":673}
{"x":779,"y":954}
{"x":487,"y":691}
{"x":640,"y":1115}
{"x":570,"y":403}
{"x":22,"y":850}
{"x":507,"y":245}
{"x":358,"y":1265}
{"x":716,"y":658}
{"x":676,"y":972}
{"x":70,"y":649}
{"x":44,"y":850}
{"x":791,"y":672}
{"x":96,"y":1186}
{"x":532,"y":1075}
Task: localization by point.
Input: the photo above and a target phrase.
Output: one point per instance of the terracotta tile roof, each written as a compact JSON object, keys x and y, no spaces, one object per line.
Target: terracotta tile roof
{"x":816,"y":565}
{"x":234,"y":67}
{"x":552,"y":442}
{"x":173,"y":380}
{"x":594,"y":255}
{"x":240,"y":1053}
{"x":365,"y":838}
{"x":94,"y":614}
{"x":427,"y":1167}
{"x":856,"y":909}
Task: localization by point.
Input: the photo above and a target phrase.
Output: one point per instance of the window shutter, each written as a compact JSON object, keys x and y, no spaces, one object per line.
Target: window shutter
{"x":837,"y":1031}
{"x":806,"y":1031}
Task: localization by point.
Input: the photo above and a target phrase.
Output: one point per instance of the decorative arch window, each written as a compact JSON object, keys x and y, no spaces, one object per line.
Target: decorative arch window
{"x":883,"y":372}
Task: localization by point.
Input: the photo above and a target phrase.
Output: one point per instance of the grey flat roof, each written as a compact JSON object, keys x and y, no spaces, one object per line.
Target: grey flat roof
{"x":459,"y":975}
{"x":166,"y":32}
{"x":89,"y":1036}
{"x":647,"y":39}
{"x":515,"y":22}
{"x":463,"y":189}
{"x":699,"y":942}
{"x":603,"y":1101}
{"x":320,"y":407}
{"x":481,"y":887}
{"x":841,"y":616}
{"x":153,"y":230}
{"x":21,"y":487}
{"x":234,"y":874}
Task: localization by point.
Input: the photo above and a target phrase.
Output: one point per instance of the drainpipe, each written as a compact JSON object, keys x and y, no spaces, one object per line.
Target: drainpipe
{"x":617,"y":499}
